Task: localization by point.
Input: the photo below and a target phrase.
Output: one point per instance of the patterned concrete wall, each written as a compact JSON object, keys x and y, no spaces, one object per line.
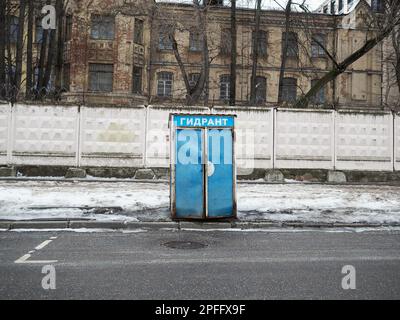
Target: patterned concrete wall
{"x":254,"y":137}
{"x":5,"y":115}
{"x":112,"y":137}
{"x":364,"y":141}
{"x":140,"y":137}
{"x":44,"y":134}
{"x":304,"y":139}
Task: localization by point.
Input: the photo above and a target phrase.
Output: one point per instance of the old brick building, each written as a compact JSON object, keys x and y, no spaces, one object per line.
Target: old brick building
{"x":121,"y":55}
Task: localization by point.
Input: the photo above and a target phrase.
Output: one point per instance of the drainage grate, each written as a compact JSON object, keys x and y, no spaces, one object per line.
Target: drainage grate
{"x":185,"y":245}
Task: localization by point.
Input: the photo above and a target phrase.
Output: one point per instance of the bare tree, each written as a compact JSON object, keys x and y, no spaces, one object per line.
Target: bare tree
{"x":383,"y":26}
{"x":256,"y":44}
{"x":232,"y":93}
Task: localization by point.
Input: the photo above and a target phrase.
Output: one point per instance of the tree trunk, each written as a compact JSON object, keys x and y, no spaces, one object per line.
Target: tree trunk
{"x":60,"y":45}
{"x":232,"y":94}
{"x":20,"y":47}
{"x":2,"y":46}
{"x":288,"y":12}
{"x":396,"y":46}
{"x":29,"y":49}
{"x":256,"y":43}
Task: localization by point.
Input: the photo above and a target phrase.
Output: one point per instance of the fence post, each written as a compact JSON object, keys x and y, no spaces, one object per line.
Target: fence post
{"x":79,"y":135}
{"x":10,"y":134}
{"x":334,"y":141}
{"x":273,"y":134}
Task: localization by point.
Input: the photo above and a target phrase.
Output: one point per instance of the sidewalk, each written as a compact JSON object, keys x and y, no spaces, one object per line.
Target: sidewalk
{"x":119,"y":205}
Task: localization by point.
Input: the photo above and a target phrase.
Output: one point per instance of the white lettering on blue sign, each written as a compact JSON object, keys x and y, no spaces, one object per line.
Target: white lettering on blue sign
{"x":204,"y":121}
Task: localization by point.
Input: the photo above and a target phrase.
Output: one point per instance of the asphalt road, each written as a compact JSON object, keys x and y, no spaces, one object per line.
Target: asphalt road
{"x":233,"y":265}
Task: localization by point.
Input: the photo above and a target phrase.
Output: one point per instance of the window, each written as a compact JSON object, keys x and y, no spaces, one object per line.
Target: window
{"x":261,"y":90}
{"x":320,"y":96}
{"x":137,"y":80}
{"x":195,"y":41}
{"x":325,"y":9}
{"x":333,"y":7}
{"x":289,"y":89}
{"x":138,"y":32}
{"x":102,"y":27}
{"x":38,"y":31}
{"x":316,"y":48}
{"x":225,"y":87}
{"x":193,"y":79}
{"x":377,"y":5}
{"x":262,"y":43}
{"x":164,"y":41}
{"x":164,"y":84}
{"x":68,"y":27}
{"x":293,"y":46}
{"x":66,"y":77}
{"x":14,"y":26}
{"x":226,"y":42}
{"x":101,"y":77}
{"x":340,"y":6}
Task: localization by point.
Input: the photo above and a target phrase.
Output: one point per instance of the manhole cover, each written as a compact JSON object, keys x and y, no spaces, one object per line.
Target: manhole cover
{"x":186,"y":245}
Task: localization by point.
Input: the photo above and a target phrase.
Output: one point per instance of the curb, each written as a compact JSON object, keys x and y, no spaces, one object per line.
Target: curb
{"x":181,"y":225}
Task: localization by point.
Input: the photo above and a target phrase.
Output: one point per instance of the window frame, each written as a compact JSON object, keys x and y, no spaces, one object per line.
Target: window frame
{"x":167,"y":84}
{"x":100,"y":75}
{"x":137,"y":87}
{"x":293,"y":45}
{"x":138,"y":37}
{"x":224,"y":87}
{"x":97,"y":22}
{"x":316,"y":50}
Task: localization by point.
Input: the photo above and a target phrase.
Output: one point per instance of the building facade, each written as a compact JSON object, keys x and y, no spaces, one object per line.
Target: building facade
{"x":118,"y":54}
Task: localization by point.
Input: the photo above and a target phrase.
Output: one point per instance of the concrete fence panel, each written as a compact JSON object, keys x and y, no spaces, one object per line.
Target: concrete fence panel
{"x":364,"y":141}
{"x":397,"y":142}
{"x":304,"y":139}
{"x":254,"y":137}
{"x":158,"y":133}
{"x":5,"y":124}
{"x":44,"y":135}
{"x":112,"y":137}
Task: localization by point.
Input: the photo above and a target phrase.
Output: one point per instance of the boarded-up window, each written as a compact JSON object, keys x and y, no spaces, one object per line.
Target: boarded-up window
{"x":359,"y":86}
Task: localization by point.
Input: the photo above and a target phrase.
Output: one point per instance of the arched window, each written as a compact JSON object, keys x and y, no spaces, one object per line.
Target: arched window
{"x":289,"y":89}
{"x":225,"y":87}
{"x":164,"y":84}
{"x":261,"y":90}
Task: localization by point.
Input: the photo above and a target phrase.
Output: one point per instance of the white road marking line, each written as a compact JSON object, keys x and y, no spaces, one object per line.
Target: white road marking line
{"x":23,"y":259}
{"x":43,"y":244}
{"x":36,"y":261}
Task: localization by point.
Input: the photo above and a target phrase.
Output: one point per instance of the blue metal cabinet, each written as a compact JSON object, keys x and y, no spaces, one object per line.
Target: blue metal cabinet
{"x":203,"y":172}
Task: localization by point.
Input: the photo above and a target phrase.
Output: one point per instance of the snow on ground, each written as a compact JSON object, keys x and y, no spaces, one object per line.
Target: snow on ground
{"x":107,"y":201}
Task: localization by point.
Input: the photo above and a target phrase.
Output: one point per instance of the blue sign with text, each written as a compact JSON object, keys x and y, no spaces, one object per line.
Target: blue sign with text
{"x":209,"y":121}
